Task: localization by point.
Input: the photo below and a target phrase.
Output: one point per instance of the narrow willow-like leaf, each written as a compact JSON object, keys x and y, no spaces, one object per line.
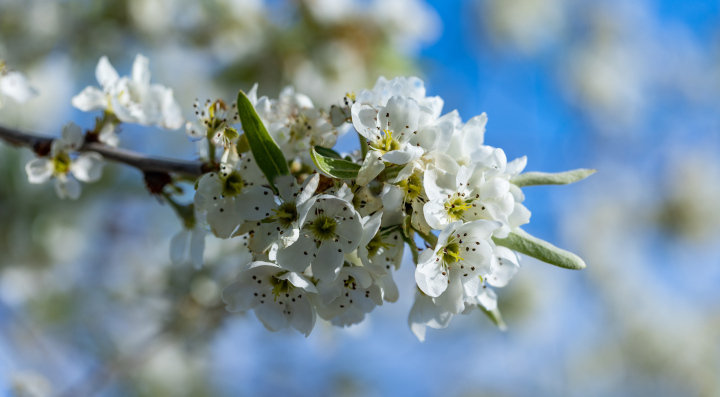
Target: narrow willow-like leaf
{"x":494,"y":316}
{"x":524,"y":243}
{"x":267,"y":154}
{"x":336,"y":168}
{"x":327,"y":152}
{"x":544,"y":178}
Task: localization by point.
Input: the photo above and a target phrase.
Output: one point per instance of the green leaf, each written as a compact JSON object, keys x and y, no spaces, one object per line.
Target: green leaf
{"x":327,"y":152}
{"x":336,"y":168}
{"x":494,"y":316}
{"x":267,"y":154}
{"x":524,"y":243}
{"x":544,"y":178}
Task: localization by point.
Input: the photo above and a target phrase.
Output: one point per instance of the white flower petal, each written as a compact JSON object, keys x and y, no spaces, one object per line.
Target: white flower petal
{"x":505,"y":263}
{"x":372,"y":166}
{"x":298,"y":256}
{"x":299,"y":281}
{"x":239,"y":296}
{"x":519,"y":216}
{"x":308,"y":188}
{"x":16,"y":86}
{"x":329,"y":261}
{"x":255,"y":203}
{"x":303,"y":315}
{"x":405,"y":155}
{"x":72,"y":137}
{"x":271,"y":314}
{"x":106,"y":74}
{"x":141,"y":70}
{"x":178,"y":246}
{"x":89,"y":99}
{"x":39,"y":170}
{"x":400,"y":115}
{"x":197,"y":247}
{"x":67,"y":187}
{"x":194,"y":131}
{"x":87,"y":167}
{"x":452,"y":298}
{"x":424,"y":313}
{"x":487,"y":298}
{"x":364,"y":121}
{"x":429,"y":276}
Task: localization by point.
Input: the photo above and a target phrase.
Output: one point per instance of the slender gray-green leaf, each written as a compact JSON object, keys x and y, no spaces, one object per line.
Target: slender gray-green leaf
{"x":327,"y":152}
{"x":267,"y":154}
{"x":524,"y":243}
{"x":545,"y":178}
{"x":494,"y":316}
{"x":336,"y":168}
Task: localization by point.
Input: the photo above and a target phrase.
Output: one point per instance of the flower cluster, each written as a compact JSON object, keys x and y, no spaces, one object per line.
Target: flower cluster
{"x":328,"y":245}
{"x":327,"y":231}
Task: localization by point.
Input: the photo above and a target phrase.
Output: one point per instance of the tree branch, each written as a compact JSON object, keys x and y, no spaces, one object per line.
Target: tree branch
{"x":41,"y":145}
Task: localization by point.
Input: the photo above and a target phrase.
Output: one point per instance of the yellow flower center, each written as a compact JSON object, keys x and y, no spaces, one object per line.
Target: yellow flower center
{"x":412,"y":187}
{"x":280,"y":287}
{"x":387,"y":143}
{"x":323,"y":228}
{"x":286,"y":214}
{"x":456,"y":207}
{"x":233,"y":184}
{"x":376,"y":244}
{"x":451,"y":254}
{"x":61,"y":163}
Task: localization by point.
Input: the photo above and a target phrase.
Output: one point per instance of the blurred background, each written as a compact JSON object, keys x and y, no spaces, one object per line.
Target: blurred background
{"x":90,"y":305}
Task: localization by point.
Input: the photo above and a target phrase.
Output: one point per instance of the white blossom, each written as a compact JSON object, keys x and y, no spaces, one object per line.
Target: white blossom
{"x":14,"y":85}
{"x":280,"y":299}
{"x":131,"y":99}
{"x":65,"y":165}
{"x":453,"y":269}
{"x":229,"y":198}
{"x":331,"y":229}
{"x":283,"y":226}
{"x":345,"y":300}
{"x":214,"y":120}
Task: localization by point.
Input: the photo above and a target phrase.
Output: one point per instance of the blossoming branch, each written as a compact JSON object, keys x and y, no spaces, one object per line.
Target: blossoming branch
{"x":326,"y":230}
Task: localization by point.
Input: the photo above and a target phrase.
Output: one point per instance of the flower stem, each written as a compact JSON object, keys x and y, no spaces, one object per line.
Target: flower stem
{"x":429,"y":238}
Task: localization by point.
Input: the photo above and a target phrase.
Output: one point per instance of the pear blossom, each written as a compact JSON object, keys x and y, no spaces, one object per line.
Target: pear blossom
{"x":407,"y":190}
{"x":279,"y":298}
{"x":409,"y":87}
{"x":345,"y":300}
{"x":65,"y":165}
{"x":398,"y":133}
{"x":214,"y":120}
{"x":453,"y":196}
{"x":331,"y":229}
{"x":453,"y":269}
{"x":294,"y":122}
{"x":14,"y":85}
{"x":380,"y":250}
{"x":228,"y":198}
{"x":131,"y":99}
{"x":283,"y":226}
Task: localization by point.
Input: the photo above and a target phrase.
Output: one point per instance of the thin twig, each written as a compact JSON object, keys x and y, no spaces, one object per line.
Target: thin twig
{"x":134,"y":159}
